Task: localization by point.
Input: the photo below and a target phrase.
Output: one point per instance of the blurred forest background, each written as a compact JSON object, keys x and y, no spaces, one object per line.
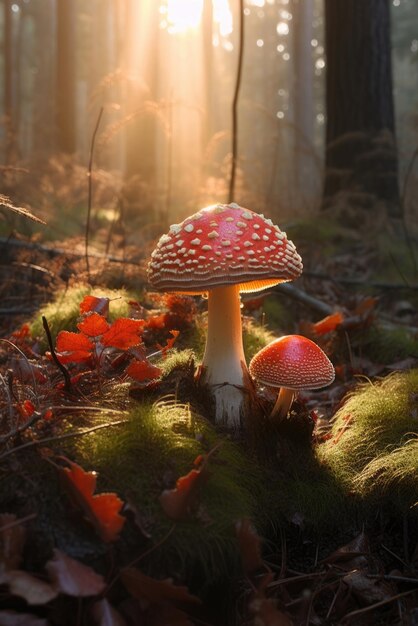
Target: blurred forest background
{"x":326,"y":113}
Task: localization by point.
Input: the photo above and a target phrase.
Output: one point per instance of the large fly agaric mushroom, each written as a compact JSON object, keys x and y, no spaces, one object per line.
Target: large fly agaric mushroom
{"x":221,"y":251}
{"x":292,"y":363}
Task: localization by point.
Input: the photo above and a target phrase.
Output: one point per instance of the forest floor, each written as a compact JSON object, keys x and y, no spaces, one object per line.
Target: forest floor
{"x":189,"y":533}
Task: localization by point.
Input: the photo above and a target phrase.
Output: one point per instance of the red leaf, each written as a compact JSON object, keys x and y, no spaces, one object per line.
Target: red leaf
{"x":72,"y":577}
{"x":78,"y":356}
{"x":93,"y":325}
{"x":72,"y":342}
{"x":177,"y":502}
{"x":143,"y":370}
{"x":102,"y":510}
{"x":328,"y":324}
{"x":21,"y":333}
{"x":123,"y":333}
{"x":156,"y":322}
{"x":170,"y":342}
{"x":92,"y":303}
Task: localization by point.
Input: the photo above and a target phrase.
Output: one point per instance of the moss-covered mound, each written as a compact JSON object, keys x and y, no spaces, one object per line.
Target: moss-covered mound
{"x":147,"y":455}
{"x":373,"y":445}
{"x":64,"y":311}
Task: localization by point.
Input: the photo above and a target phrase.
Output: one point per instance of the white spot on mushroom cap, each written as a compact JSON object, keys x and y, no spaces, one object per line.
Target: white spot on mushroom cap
{"x":195,"y":242}
{"x":189,"y":228}
{"x":213,"y":234}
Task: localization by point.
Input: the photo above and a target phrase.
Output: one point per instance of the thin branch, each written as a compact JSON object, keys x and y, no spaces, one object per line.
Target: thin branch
{"x":305,"y":298}
{"x":78,"y":433}
{"x":234,"y":161}
{"x":18,"y":522}
{"x":371,"y":607}
{"x":90,"y":189}
{"x":30,"y":245}
{"x":67,"y":378}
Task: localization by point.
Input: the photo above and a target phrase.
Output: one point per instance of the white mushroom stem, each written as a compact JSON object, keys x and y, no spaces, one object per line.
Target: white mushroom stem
{"x":224,"y":367}
{"x":283,"y":403}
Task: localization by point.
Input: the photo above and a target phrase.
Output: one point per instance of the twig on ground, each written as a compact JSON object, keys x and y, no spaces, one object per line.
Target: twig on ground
{"x":18,"y":522}
{"x":305,"y":298}
{"x":79,"y":433}
{"x":67,"y":378}
{"x":371,"y":607}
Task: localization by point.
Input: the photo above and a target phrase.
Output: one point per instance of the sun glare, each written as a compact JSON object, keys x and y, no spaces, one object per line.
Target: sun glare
{"x":183,"y":15}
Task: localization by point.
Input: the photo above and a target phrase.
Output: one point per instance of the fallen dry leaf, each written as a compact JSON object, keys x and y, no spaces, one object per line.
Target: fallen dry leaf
{"x":177,"y":502}
{"x":35,"y":591}
{"x":105,"y":614}
{"x":249,"y":544}
{"x":153,"y":591}
{"x":102,"y":510}
{"x":11,"y":618}
{"x":143,"y":370}
{"x":73,"y":578}
{"x":93,"y":303}
{"x":12,"y":541}
{"x":367,"y":590}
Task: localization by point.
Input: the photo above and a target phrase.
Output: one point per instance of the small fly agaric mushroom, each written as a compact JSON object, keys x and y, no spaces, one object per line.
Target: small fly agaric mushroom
{"x":292,"y":363}
{"x":221,"y":251}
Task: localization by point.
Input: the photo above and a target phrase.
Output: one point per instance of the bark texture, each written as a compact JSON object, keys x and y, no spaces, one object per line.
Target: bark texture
{"x":361,"y":152}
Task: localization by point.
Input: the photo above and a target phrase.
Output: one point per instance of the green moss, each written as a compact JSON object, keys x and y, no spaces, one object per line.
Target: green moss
{"x":147,"y":455}
{"x":327,"y":234}
{"x":386,"y":345}
{"x":276,"y":314}
{"x":254,"y":338}
{"x":63,"y":312}
{"x":392,"y":476}
{"x":372,"y":428}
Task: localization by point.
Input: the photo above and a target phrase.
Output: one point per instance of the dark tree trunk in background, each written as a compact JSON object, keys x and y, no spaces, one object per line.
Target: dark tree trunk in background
{"x":65,"y":78}
{"x":8,"y":82}
{"x":303,"y":84}
{"x":361,"y":151}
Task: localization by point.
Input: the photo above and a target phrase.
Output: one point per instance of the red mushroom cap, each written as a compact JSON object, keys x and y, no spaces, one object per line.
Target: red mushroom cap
{"x":222,"y":245}
{"x":293,"y":362}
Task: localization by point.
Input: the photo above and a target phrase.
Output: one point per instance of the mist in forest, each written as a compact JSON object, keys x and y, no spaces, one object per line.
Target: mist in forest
{"x":145,"y":90}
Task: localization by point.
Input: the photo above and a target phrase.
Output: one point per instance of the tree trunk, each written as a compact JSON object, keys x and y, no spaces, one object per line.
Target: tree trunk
{"x":8,"y":93}
{"x":65,"y":77}
{"x":360,"y":135}
{"x":305,"y":171}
